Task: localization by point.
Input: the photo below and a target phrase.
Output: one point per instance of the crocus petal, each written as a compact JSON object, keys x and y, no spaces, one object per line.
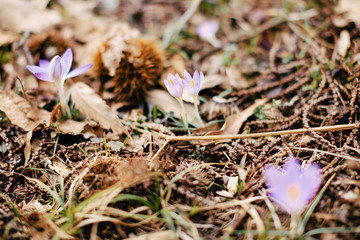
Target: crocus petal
{"x":292,"y":169}
{"x":174,"y":85}
{"x":171,"y":89}
{"x":56,"y":69}
{"x":207,"y":29}
{"x":34,"y":69}
{"x":44,"y":76}
{"x":201,"y":79}
{"x":78,"y":71}
{"x":44,"y":64}
{"x":273,"y":175}
{"x":197,"y":81}
{"x":187,"y":76}
{"x":311,"y":181}
{"x":293,"y":187}
{"x":67,"y":60}
{"x":64,"y":69}
{"x":170,"y":76}
{"x":193,"y":83}
{"x":196,"y":76}
{"x":179,"y":79}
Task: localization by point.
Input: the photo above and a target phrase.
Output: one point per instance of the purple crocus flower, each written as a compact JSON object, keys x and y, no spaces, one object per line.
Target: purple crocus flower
{"x":193,"y":83}
{"x":57,"y":70}
{"x":207,"y":29}
{"x":174,"y":85}
{"x":292,"y":188}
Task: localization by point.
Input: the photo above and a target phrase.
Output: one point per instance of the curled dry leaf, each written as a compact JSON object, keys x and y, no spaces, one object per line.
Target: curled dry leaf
{"x":233,"y":123}
{"x":20,"y":112}
{"x":27,"y":148}
{"x":71,"y":127}
{"x":59,"y":167}
{"x":303,"y":141}
{"x":92,"y":106}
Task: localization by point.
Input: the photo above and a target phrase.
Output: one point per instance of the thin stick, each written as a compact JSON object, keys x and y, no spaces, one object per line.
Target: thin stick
{"x":328,"y":153}
{"x":254,"y":135}
{"x":159,"y":151}
{"x":22,"y":87}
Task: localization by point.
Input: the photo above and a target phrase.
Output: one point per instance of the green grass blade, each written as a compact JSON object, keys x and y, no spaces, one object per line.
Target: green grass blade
{"x":132,"y":197}
{"x":12,"y":205}
{"x":311,"y":209}
{"x":332,"y":230}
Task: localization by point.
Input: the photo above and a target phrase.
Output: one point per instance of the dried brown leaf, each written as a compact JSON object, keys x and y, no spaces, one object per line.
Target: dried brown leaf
{"x":303,"y":141}
{"x":233,"y":123}
{"x":20,"y":112}
{"x":59,"y":167}
{"x":71,"y":127}
{"x":92,"y":106}
{"x":27,"y":148}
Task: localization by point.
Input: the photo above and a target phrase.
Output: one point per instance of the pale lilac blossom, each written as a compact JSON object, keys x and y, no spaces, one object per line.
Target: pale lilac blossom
{"x":193,"y":83}
{"x":207,"y":29}
{"x":292,"y":188}
{"x":58,"y":69}
{"x":174,"y":85}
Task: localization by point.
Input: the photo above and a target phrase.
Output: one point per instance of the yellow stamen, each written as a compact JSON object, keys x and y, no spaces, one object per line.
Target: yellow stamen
{"x":192,"y":83}
{"x":293,"y":191}
{"x":171,"y":82}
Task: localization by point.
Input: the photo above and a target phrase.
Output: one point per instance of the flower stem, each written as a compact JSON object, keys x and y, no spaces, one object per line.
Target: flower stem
{"x":184,"y":116}
{"x":214,"y":41}
{"x":295,"y":220}
{"x":65,"y":110}
{"x":198,"y":113}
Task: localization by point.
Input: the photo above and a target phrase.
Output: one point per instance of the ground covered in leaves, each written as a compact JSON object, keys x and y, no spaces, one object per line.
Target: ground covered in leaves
{"x":118,"y":168}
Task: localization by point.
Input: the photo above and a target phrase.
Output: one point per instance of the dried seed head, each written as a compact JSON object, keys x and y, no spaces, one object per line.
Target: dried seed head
{"x":106,"y":171}
{"x":138,"y":70}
